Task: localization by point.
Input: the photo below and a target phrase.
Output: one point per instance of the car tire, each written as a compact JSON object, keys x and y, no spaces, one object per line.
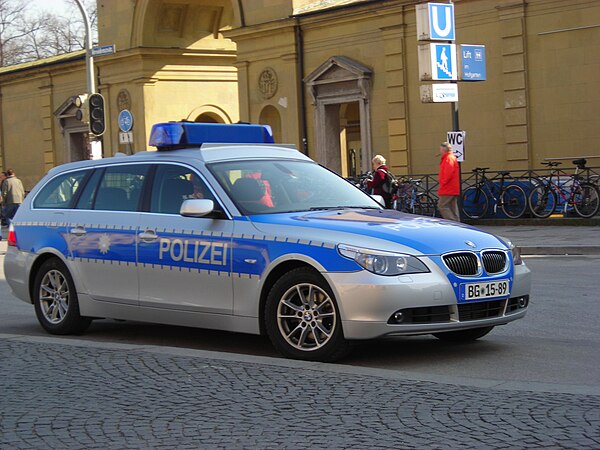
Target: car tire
{"x":302,"y":318}
{"x":463,"y":335}
{"x":55,"y":300}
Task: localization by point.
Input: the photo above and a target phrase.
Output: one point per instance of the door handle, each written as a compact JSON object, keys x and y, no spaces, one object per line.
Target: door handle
{"x":78,"y":231}
{"x":148,"y":236}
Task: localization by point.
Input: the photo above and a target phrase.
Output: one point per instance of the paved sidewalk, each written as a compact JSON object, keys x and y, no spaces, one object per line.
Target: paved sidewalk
{"x":550,"y":240}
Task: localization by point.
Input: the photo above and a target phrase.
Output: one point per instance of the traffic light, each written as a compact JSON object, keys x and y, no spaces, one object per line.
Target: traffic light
{"x":97,"y":118}
{"x":81,"y":102}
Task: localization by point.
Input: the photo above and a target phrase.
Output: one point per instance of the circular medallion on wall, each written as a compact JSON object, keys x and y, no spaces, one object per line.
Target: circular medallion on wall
{"x":267,"y":83}
{"x":123,"y":100}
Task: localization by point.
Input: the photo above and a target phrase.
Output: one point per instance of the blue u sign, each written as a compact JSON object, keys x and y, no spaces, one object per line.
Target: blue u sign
{"x":441,"y":21}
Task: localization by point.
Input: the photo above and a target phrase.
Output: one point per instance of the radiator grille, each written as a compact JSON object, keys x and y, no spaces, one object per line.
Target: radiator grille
{"x":494,"y":262}
{"x":462,"y":263}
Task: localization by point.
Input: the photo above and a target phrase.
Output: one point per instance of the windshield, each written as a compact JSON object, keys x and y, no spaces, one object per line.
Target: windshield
{"x":276,"y":186}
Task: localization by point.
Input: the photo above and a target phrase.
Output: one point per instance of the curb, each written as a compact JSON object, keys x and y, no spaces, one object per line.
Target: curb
{"x":567,"y":250}
{"x":550,"y":222}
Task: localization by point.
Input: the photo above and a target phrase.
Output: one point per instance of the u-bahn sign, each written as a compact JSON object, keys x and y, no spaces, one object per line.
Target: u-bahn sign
{"x":435,"y":22}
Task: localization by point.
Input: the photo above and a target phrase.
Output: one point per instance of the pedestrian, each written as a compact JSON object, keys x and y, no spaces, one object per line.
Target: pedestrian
{"x":449,"y":179}
{"x":380,"y":179}
{"x":2,"y":216}
{"x":12,"y":194}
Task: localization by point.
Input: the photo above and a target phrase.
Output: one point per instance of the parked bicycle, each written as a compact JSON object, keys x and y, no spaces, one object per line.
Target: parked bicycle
{"x":411,"y":200}
{"x":575,"y":193}
{"x":476,"y":200}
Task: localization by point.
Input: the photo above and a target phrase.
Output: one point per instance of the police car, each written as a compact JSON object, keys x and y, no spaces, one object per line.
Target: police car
{"x":251,"y":237}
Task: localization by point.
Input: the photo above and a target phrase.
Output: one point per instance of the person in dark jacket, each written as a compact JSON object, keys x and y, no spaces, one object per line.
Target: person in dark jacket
{"x":379,"y":179}
{"x":449,"y":189}
{"x":12,"y":194}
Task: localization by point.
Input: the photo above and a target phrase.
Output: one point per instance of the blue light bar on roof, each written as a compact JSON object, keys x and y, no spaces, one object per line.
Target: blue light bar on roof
{"x":184,"y":134}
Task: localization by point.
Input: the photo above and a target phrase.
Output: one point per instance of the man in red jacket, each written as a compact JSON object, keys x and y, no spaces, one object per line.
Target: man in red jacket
{"x":449,"y":190}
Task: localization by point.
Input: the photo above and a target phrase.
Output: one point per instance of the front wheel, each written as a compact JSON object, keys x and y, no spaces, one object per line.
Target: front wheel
{"x":463,"y":335}
{"x":474,"y":203}
{"x":586,"y":200}
{"x":55,"y":300}
{"x":514,"y":201}
{"x":542,"y":201}
{"x":302,"y":318}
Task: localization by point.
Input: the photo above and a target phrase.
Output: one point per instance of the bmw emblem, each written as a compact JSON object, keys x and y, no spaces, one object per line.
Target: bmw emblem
{"x":470,"y":244}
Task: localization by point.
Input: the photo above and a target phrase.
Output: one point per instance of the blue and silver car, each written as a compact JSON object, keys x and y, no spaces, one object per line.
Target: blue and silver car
{"x":253,"y":237}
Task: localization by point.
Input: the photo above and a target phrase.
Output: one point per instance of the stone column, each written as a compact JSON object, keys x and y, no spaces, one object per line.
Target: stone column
{"x":514,"y":74}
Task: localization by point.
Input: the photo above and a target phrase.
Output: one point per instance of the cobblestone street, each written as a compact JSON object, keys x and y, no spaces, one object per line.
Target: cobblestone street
{"x":69,"y":396}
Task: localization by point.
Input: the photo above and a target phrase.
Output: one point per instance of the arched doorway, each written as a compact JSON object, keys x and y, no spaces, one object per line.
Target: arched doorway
{"x":340,"y":90}
{"x":208,"y":114}
{"x":270,"y":116}
{"x":208,"y":118}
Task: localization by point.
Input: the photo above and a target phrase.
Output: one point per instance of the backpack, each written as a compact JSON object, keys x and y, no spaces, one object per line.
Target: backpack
{"x":390,"y":184}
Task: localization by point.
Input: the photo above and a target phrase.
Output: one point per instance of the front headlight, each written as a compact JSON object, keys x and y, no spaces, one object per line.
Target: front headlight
{"x":383,"y":263}
{"x":516,"y":251}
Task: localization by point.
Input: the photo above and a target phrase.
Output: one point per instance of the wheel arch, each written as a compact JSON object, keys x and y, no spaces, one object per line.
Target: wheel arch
{"x":277,"y":271}
{"x":41,"y":259}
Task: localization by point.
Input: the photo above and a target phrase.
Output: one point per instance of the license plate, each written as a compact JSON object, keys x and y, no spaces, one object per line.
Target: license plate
{"x":474,"y":291}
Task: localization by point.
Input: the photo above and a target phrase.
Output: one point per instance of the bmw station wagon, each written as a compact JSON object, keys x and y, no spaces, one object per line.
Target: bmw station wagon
{"x":253,"y":237}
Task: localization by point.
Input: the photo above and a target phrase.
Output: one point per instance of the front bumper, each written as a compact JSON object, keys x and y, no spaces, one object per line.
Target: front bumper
{"x":368,"y":303}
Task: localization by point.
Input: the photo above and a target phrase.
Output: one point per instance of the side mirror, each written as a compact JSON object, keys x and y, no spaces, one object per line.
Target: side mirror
{"x":197,"y":207}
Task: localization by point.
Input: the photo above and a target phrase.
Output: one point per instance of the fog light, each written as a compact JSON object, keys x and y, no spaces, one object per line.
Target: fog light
{"x":398,"y":317}
{"x":523,"y":301}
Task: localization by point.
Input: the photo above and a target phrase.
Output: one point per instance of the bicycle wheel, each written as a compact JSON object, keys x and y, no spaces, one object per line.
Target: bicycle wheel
{"x":514,"y":201}
{"x":425,"y":205}
{"x":474,"y":203}
{"x":586,"y":200}
{"x":542,"y":201}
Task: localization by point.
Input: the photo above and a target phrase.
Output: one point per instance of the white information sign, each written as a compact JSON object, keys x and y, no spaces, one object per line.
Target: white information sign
{"x":126,"y":137}
{"x":439,"y":93}
{"x":457,"y":140}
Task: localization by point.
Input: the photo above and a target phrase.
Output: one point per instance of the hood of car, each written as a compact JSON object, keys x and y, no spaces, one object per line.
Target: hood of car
{"x":427,"y":235}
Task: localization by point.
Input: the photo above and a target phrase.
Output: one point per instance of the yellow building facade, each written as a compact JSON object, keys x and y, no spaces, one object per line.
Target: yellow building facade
{"x":338,"y":78}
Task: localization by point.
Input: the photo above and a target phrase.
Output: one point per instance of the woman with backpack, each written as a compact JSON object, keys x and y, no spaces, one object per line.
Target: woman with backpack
{"x":381,"y":180}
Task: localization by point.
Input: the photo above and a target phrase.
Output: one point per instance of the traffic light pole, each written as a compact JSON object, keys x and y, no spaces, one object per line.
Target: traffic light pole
{"x":89,"y":59}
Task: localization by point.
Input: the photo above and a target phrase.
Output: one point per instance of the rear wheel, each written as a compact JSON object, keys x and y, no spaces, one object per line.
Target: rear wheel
{"x":55,"y":300}
{"x":474,"y":203}
{"x":463,"y":335}
{"x":542,"y":201}
{"x":302,"y":317}
{"x":586,"y":201}
{"x":514,"y":201}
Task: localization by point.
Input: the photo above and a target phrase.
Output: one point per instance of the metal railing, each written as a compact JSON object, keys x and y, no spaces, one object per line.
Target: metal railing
{"x":525,"y":178}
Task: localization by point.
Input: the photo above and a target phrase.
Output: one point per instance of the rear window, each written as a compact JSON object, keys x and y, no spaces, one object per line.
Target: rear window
{"x":59,"y":192}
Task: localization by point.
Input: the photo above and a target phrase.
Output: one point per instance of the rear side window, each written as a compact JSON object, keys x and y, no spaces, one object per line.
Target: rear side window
{"x":116,"y":188}
{"x":60,"y":191}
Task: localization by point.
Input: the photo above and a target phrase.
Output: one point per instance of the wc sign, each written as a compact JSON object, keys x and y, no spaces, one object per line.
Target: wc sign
{"x":457,"y":140}
{"x":435,"y":22}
